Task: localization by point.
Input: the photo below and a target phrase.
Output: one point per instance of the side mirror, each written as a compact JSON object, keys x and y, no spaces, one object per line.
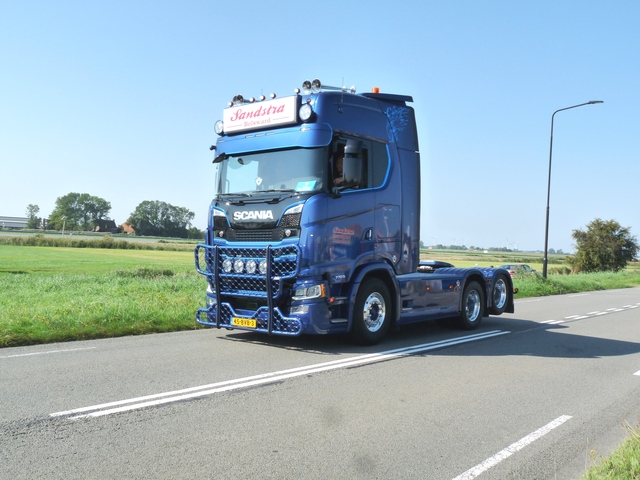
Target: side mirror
{"x":353,"y":147}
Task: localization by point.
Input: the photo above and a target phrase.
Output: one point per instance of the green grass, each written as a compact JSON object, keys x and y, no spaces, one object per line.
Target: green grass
{"x":536,"y":286}
{"x":622,"y":464}
{"x":61,"y":294}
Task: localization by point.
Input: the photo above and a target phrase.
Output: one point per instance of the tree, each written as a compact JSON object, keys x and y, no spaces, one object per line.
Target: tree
{"x":605,"y":246}
{"x":161,"y":219}
{"x":32,"y":213}
{"x":78,"y":211}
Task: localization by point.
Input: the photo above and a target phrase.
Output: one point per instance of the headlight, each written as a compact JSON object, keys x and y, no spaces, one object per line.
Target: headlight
{"x":307,"y":293}
{"x":238,"y":265}
{"x":293,"y":210}
{"x":251,"y":267}
{"x":262,"y":267}
{"x":305,"y":112}
{"x":227,"y":265}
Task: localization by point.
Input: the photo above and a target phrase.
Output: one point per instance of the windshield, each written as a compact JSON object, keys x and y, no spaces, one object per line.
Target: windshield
{"x":292,"y":170}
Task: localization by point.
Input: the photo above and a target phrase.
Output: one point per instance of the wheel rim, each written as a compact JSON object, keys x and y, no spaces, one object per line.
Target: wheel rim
{"x":374,"y":312}
{"x":473,"y":306}
{"x":500,"y":293}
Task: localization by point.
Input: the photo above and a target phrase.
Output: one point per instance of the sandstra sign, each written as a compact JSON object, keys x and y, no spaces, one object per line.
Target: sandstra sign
{"x":251,"y":116}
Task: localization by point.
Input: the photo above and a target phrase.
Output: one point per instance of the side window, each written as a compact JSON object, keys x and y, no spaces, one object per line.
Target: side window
{"x":374,"y":162}
{"x":380,"y":163}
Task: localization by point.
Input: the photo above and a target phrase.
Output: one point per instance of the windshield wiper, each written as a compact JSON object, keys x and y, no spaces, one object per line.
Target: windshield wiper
{"x":234,"y":195}
{"x":285,"y":190}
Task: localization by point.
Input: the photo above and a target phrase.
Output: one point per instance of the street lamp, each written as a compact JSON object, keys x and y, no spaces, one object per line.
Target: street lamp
{"x":546,"y":230}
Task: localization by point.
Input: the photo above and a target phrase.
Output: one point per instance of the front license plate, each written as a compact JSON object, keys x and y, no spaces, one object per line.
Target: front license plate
{"x":244,"y":322}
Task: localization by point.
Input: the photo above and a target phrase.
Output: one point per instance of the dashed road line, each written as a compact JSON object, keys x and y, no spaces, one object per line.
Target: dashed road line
{"x":596,"y":313}
{"x":47,"y":352}
{"x":511,"y":449}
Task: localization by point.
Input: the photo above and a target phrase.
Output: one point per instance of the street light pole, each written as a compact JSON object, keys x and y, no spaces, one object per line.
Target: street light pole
{"x":546,"y":229}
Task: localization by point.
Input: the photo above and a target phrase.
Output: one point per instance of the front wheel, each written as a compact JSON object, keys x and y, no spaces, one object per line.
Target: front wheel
{"x":472,"y":306}
{"x":371,"y":312}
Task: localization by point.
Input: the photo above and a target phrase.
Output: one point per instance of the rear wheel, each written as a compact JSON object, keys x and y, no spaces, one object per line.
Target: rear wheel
{"x":499,"y":295}
{"x":472,"y":306}
{"x":371,"y":312}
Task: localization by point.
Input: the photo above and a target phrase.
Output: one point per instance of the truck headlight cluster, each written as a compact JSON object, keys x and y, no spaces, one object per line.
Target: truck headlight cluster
{"x":308,"y":293}
{"x":239,"y":265}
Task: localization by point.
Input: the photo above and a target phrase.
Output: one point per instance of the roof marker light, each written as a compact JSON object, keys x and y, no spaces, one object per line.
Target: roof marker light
{"x":262,"y":98}
{"x":375,"y":90}
{"x":273,"y":95}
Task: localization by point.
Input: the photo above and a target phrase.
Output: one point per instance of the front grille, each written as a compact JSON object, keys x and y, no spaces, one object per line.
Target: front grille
{"x":257,"y":235}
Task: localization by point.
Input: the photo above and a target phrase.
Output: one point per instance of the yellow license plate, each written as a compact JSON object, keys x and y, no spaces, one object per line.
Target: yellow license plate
{"x":244,"y":322}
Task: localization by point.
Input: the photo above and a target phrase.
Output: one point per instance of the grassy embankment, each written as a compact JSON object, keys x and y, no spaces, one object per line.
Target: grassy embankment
{"x":56,"y":290}
{"x":60,"y":294}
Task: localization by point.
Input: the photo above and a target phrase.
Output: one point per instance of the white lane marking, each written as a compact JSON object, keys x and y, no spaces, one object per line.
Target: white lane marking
{"x":511,"y":449}
{"x":601,"y":313}
{"x":579,"y":295}
{"x":637,"y":373}
{"x":553,"y":322}
{"x":571,"y":317}
{"x":205,"y":390}
{"x":593,"y":313}
{"x":581,"y":317}
{"x":48,"y":352}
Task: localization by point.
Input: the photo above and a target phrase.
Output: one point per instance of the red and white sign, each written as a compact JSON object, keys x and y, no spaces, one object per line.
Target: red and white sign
{"x":252,"y":116}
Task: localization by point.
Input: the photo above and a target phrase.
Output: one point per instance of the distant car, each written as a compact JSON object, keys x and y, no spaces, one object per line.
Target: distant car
{"x":519,"y":269}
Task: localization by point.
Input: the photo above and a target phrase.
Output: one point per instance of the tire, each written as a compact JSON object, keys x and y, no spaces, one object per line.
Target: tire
{"x":371,"y":312}
{"x":472,"y":306}
{"x":499,"y":295}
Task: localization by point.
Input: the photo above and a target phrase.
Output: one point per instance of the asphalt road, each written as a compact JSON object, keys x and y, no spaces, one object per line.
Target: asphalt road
{"x":533,"y":395}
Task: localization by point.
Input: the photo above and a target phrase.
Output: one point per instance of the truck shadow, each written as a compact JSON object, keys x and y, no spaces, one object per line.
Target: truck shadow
{"x":544,"y":340}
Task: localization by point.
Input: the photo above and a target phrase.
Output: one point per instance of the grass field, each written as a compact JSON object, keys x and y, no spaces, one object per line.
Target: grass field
{"x":58,"y":294}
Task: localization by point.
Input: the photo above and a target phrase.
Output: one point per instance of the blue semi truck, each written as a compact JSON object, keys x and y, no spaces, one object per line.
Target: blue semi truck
{"x":315,"y":220}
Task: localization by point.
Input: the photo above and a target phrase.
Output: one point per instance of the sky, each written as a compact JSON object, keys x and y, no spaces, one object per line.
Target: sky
{"x":118,"y":99}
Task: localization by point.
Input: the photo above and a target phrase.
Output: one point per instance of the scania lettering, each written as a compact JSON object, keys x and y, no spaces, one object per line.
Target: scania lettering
{"x":315,"y":220}
{"x":261,"y":215}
